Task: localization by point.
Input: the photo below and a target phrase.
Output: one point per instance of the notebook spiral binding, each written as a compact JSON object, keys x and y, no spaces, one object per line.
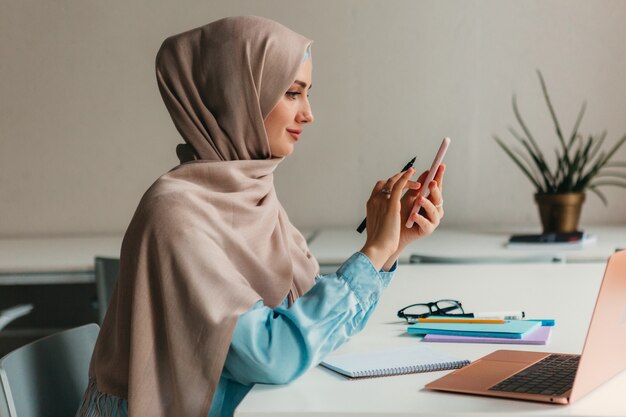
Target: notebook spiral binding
{"x":404,"y":370}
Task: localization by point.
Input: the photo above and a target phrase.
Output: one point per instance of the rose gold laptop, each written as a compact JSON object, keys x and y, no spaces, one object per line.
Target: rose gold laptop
{"x":556,"y":378}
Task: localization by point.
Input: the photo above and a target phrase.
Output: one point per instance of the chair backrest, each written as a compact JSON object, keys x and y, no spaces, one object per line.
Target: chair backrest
{"x":13,"y":313}
{"x":4,"y":403}
{"x":48,"y":377}
{"x":106,"y":271}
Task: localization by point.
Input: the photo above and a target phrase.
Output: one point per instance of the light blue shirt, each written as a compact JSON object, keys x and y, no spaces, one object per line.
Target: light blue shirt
{"x":275,"y":346}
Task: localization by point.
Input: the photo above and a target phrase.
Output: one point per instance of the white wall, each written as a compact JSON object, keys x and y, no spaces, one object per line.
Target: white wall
{"x":83,"y":131}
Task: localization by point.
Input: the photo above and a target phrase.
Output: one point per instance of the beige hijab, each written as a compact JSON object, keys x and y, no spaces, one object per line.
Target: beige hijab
{"x":209,"y":238}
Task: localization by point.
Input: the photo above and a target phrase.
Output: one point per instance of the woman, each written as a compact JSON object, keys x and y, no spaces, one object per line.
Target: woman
{"x":217,"y":290}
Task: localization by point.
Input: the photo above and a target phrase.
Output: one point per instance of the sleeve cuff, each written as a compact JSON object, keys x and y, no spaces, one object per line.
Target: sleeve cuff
{"x":362,"y":278}
{"x":386,"y":276}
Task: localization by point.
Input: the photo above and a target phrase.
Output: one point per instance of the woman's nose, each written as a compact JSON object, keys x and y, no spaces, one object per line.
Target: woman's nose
{"x":306,"y":115}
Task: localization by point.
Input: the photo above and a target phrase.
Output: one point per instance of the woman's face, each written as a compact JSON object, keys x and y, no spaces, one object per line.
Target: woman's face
{"x":286,"y":121}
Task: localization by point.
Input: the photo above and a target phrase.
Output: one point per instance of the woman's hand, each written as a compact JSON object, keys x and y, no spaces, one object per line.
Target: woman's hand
{"x":425,"y":223}
{"x":384,"y":219}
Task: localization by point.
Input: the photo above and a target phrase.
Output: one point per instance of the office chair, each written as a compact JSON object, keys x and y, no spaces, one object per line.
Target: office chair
{"x":12,"y":313}
{"x":4,"y":403}
{"x":106,"y":271}
{"x":48,"y":377}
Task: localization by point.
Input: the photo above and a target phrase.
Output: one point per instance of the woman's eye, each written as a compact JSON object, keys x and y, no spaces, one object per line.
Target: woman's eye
{"x":292,"y":94}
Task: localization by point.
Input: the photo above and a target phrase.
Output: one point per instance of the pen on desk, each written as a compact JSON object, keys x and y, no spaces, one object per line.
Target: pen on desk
{"x":500,"y":315}
{"x":461,"y":320}
{"x":407,"y":166}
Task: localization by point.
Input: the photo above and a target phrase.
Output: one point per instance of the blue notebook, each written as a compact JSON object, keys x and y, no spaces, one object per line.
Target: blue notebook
{"x":512,"y":329}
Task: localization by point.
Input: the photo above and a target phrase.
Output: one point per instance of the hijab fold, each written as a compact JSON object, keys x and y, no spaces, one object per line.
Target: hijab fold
{"x":209,"y":238}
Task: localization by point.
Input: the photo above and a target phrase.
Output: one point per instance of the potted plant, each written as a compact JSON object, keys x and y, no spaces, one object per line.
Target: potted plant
{"x":580,"y":165}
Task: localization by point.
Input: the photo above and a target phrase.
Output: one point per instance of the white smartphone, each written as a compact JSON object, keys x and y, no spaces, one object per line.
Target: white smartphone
{"x":425,"y":190}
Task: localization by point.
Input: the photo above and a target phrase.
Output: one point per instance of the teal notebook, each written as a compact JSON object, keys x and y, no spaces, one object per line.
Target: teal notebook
{"x":512,"y":329}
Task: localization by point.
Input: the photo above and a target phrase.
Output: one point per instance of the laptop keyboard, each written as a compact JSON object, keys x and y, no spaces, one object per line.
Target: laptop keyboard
{"x":553,"y":375}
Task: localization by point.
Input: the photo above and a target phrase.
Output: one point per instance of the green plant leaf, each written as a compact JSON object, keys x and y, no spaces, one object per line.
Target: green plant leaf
{"x":559,"y":170}
{"x":525,"y":129}
{"x":544,"y":171}
{"x":519,"y":163}
{"x":554,"y":119}
{"x":577,"y":123}
{"x":603,"y":183}
{"x":587,"y":177}
{"x":596,"y":147}
{"x":581,"y":158}
{"x":529,"y":164}
{"x":599,"y":194}
{"x":568,"y":181}
{"x":585,"y":161}
{"x":613,"y":150}
{"x":602,"y":160}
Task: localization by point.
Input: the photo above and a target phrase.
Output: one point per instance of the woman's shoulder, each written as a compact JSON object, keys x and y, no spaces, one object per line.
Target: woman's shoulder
{"x":170,"y":197}
{"x":166,"y":189}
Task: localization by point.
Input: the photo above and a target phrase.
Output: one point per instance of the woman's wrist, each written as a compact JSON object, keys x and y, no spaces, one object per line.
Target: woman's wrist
{"x":389,"y":264}
{"x":392,"y":259}
{"x":378,"y":257}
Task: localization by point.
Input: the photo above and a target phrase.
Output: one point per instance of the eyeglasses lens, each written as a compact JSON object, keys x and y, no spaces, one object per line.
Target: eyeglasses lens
{"x":448,"y":307}
{"x":417,"y":310}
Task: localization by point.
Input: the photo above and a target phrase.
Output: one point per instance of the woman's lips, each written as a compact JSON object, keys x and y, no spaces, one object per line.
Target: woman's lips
{"x":295,"y":133}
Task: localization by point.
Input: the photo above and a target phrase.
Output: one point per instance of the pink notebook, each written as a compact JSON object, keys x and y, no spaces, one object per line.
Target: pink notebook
{"x":535,"y":337}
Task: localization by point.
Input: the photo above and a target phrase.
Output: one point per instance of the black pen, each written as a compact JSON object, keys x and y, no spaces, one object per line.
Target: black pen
{"x":407,"y":166}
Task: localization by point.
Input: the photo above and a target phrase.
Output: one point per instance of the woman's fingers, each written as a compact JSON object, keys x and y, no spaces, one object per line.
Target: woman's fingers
{"x":438,"y":176}
{"x":426,"y":226}
{"x":422,"y":177}
{"x":378,"y":187}
{"x":390,"y":184}
{"x":436,"y":196}
{"x":432,"y":212}
{"x":401,"y":183}
{"x":413,"y":185}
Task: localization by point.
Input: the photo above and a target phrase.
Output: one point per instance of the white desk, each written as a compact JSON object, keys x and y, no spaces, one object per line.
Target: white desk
{"x":57,"y":276}
{"x":62,"y":260}
{"x":58,"y":260}
{"x":334,"y":246}
{"x":564,"y":292}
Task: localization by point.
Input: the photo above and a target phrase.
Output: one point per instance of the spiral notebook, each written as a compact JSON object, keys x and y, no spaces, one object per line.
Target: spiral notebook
{"x":398,"y":361}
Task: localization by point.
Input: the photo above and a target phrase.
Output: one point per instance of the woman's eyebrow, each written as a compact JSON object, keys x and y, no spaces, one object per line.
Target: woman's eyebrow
{"x":302,"y":84}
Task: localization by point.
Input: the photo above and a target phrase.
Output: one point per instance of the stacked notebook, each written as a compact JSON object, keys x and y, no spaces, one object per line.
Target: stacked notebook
{"x":525,"y":332}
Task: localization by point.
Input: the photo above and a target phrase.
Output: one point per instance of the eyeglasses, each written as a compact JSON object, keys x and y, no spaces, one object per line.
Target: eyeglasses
{"x":440,"y":308}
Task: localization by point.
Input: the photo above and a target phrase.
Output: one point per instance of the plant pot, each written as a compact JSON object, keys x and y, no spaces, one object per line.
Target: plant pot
{"x":560,"y":213}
